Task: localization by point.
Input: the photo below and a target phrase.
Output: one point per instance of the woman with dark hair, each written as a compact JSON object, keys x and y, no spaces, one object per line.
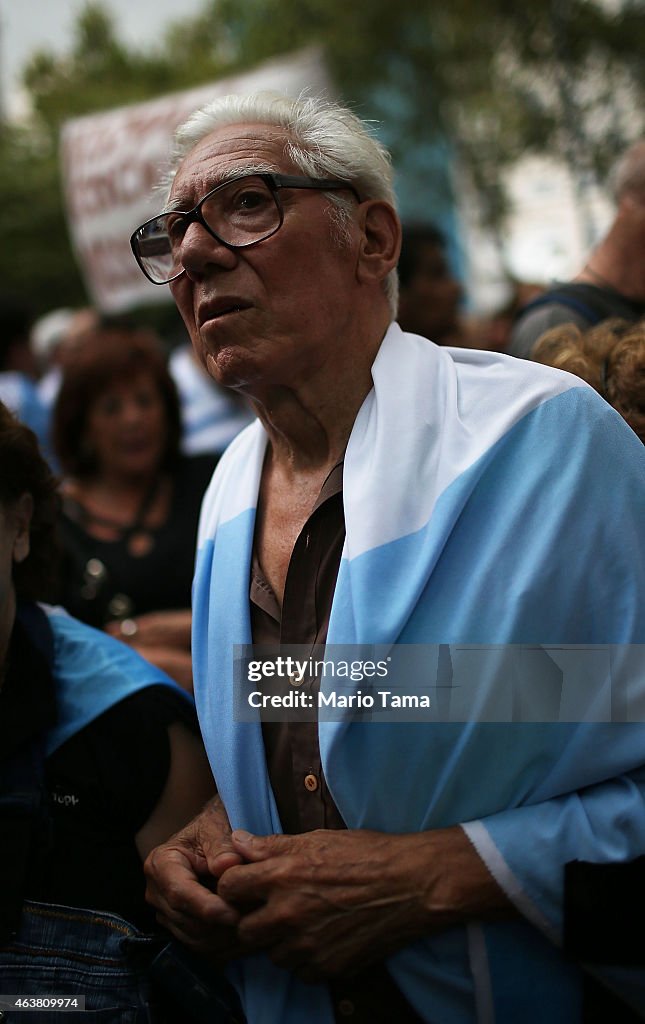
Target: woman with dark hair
{"x":130,"y":500}
{"x":100,"y":760}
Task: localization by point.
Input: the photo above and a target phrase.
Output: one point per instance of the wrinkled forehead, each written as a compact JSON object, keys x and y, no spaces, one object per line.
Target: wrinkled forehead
{"x":227,"y":152}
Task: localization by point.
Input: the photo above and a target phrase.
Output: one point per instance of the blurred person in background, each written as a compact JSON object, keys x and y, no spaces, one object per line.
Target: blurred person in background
{"x":612,"y":281}
{"x":18,"y":370}
{"x":493,"y":330}
{"x":610,"y":357}
{"x":210,"y":416}
{"x":603,"y":912}
{"x":429,"y":294}
{"x":100,"y":760}
{"x":130,"y":499}
{"x":53,"y":338}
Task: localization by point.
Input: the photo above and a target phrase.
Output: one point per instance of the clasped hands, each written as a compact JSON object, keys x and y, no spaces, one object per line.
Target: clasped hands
{"x":322,"y":903}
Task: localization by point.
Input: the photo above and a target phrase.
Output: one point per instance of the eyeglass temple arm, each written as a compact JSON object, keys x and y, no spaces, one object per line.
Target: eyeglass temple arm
{"x":295,"y":181}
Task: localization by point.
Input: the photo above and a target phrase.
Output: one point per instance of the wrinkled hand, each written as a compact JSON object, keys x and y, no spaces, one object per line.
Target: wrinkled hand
{"x":182,"y":877}
{"x":332,"y":902}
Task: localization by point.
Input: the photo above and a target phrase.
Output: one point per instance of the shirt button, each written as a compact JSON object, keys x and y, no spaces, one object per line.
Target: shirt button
{"x":311,"y":783}
{"x":295,"y":681}
{"x":346,"y":1008}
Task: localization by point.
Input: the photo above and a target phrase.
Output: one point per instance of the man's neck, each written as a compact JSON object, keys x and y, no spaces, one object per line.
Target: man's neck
{"x":309,"y":421}
{"x":619,"y":262}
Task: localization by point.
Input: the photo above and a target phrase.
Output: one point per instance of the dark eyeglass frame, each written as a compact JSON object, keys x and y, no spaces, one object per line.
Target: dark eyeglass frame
{"x":274,"y":182}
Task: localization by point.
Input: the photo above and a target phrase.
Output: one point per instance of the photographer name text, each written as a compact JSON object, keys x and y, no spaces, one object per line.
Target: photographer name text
{"x":302,"y":699}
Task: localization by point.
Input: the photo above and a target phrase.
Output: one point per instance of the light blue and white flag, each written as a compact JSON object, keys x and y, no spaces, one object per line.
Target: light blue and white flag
{"x":487,"y":500}
{"x":93,"y":672}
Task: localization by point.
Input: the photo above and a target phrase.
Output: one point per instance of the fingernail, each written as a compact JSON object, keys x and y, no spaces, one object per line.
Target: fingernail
{"x":240,"y":836}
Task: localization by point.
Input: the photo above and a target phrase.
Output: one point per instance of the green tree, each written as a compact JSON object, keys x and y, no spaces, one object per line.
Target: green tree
{"x":36,"y":261}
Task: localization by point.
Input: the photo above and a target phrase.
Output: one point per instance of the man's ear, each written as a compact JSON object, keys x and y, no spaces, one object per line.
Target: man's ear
{"x":380,"y":243}
{"x":21,"y":514}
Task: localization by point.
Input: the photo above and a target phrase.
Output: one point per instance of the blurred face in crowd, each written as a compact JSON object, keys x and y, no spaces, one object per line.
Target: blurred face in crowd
{"x":429,"y":303}
{"x":83,"y":322}
{"x":273,"y":312}
{"x":126,"y":427}
{"x":14,"y":547}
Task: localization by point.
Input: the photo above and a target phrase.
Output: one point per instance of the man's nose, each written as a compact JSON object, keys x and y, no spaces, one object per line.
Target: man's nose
{"x":200,"y":250}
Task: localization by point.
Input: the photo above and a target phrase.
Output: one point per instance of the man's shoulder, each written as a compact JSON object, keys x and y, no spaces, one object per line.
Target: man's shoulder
{"x":470,"y":388}
{"x":495,"y":377}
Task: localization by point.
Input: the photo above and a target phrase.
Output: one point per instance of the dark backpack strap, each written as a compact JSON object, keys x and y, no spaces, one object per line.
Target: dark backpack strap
{"x":594,"y":304}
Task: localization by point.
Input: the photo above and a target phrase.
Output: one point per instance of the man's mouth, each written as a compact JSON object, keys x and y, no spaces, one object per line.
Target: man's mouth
{"x":219,"y":310}
{"x":228,"y":311}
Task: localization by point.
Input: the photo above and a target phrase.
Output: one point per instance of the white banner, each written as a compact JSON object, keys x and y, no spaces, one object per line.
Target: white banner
{"x":112,"y":161}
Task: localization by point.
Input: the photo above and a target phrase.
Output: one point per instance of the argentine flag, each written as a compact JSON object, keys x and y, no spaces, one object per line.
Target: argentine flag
{"x":487,"y":500}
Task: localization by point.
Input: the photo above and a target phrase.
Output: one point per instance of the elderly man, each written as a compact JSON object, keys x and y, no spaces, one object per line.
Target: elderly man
{"x":612,"y":281}
{"x":390,"y":492}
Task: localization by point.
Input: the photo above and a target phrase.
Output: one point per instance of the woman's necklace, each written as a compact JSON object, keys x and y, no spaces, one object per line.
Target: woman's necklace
{"x":138,"y":537}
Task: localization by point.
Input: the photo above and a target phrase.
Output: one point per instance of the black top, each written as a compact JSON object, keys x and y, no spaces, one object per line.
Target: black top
{"x":123,"y":584}
{"x":99,"y":789}
{"x":604,"y":909}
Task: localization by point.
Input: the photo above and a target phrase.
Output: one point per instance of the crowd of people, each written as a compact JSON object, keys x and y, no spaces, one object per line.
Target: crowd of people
{"x":352,"y":472}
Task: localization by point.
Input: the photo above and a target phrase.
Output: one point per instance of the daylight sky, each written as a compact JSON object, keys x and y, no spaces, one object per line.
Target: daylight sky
{"x":28,"y":25}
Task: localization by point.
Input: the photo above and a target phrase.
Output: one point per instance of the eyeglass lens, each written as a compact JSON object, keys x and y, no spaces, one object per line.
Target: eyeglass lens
{"x":239,"y":213}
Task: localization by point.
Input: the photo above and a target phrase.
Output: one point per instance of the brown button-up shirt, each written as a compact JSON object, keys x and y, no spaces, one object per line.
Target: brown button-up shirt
{"x":292,"y":751}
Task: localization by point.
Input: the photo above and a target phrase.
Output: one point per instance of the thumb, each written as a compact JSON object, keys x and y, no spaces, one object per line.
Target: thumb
{"x":221,"y":861}
{"x":253,"y":847}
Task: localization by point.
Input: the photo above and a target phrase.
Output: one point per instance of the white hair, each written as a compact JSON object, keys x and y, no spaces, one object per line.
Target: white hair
{"x":628,"y":174}
{"x":325,"y":140}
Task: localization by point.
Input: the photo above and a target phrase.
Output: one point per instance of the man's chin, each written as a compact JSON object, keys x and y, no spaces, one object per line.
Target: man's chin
{"x":229,"y":367}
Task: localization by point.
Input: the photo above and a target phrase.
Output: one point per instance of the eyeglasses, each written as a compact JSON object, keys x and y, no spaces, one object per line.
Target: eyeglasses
{"x":239,"y":213}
